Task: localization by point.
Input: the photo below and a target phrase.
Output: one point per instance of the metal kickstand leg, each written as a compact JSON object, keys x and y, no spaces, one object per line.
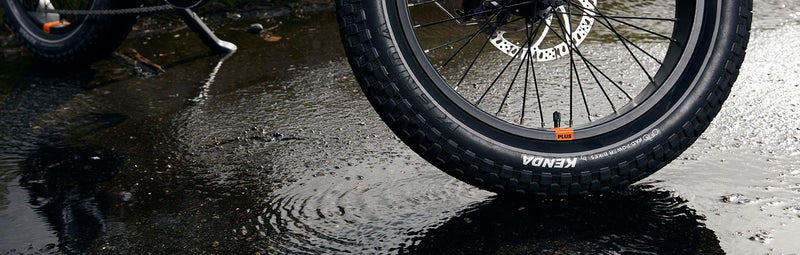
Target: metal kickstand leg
{"x":199,"y":27}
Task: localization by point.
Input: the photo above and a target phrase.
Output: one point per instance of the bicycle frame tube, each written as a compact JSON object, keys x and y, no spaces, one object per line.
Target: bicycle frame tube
{"x":183,"y":9}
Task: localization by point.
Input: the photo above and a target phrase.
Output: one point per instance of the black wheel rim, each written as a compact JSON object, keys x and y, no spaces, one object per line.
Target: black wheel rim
{"x":655,"y":46}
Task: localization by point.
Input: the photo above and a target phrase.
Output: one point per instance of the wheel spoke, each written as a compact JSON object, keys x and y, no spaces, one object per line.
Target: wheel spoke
{"x":471,"y":64}
{"x":578,"y":52}
{"x":577,"y":76}
{"x":424,"y":3}
{"x":525,"y":88}
{"x":585,"y":63}
{"x":503,"y":7}
{"x":636,"y":46}
{"x":619,"y":36}
{"x":535,"y":81}
{"x":527,"y":68}
{"x":511,"y":85}
{"x":605,"y":17}
{"x":447,"y":44}
{"x":629,"y":41}
{"x":529,"y":41}
{"x":618,"y":17}
{"x":568,"y":42}
{"x":536,"y":86}
{"x":501,"y":73}
{"x":472,"y":37}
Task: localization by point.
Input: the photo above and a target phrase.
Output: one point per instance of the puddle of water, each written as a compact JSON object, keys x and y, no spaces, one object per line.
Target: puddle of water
{"x":283,"y":154}
{"x":743,"y":173}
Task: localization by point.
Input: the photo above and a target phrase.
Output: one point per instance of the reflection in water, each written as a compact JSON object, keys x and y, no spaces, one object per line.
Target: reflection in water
{"x":201,"y":98}
{"x":639,"y":220}
{"x":61,"y":179}
{"x":63,"y":186}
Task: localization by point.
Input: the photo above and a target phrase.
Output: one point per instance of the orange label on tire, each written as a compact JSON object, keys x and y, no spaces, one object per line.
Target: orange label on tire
{"x":47,"y":26}
{"x":564,"y":134}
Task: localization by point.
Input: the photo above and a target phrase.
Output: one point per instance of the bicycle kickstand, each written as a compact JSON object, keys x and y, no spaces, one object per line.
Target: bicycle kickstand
{"x":206,"y":35}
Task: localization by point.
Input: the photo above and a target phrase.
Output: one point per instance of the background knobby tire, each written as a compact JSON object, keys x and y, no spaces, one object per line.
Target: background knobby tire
{"x":96,"y":38}
{"x":455,"y":142}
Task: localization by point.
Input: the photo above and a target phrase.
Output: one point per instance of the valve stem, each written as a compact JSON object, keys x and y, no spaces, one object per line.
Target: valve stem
{"x":556,"y":119}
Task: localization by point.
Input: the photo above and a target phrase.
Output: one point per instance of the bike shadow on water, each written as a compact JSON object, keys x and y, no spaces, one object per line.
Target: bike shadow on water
{"x":639,"y":219}
{"x":62,"y":177}
{"x":63,"y":186}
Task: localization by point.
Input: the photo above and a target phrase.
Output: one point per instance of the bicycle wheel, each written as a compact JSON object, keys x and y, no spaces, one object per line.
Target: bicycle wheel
{"x":546,"y":97}
{"x":68,"y":38}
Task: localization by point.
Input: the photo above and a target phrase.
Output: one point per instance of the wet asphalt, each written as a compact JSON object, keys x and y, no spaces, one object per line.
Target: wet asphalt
{"x":274,"y":149}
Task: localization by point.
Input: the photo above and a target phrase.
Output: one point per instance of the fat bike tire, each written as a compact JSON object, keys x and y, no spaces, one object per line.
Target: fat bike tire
{"x":86,"y":40}
{"x":486,"y":152}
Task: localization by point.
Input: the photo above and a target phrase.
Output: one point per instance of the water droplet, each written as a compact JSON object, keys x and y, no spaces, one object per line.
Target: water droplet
{"x":764,"y":237}
{"x":736,"y":199}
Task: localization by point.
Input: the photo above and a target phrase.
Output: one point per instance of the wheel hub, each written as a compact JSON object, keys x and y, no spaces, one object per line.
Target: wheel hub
{"x":535,"y":9}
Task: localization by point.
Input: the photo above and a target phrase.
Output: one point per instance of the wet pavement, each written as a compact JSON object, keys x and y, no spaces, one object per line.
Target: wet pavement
{"x":275,"y":150}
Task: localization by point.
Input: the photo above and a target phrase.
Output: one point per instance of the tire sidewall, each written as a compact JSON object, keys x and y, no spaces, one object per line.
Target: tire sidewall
{"x":33,"y":35}
{"x":95,"y":37}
